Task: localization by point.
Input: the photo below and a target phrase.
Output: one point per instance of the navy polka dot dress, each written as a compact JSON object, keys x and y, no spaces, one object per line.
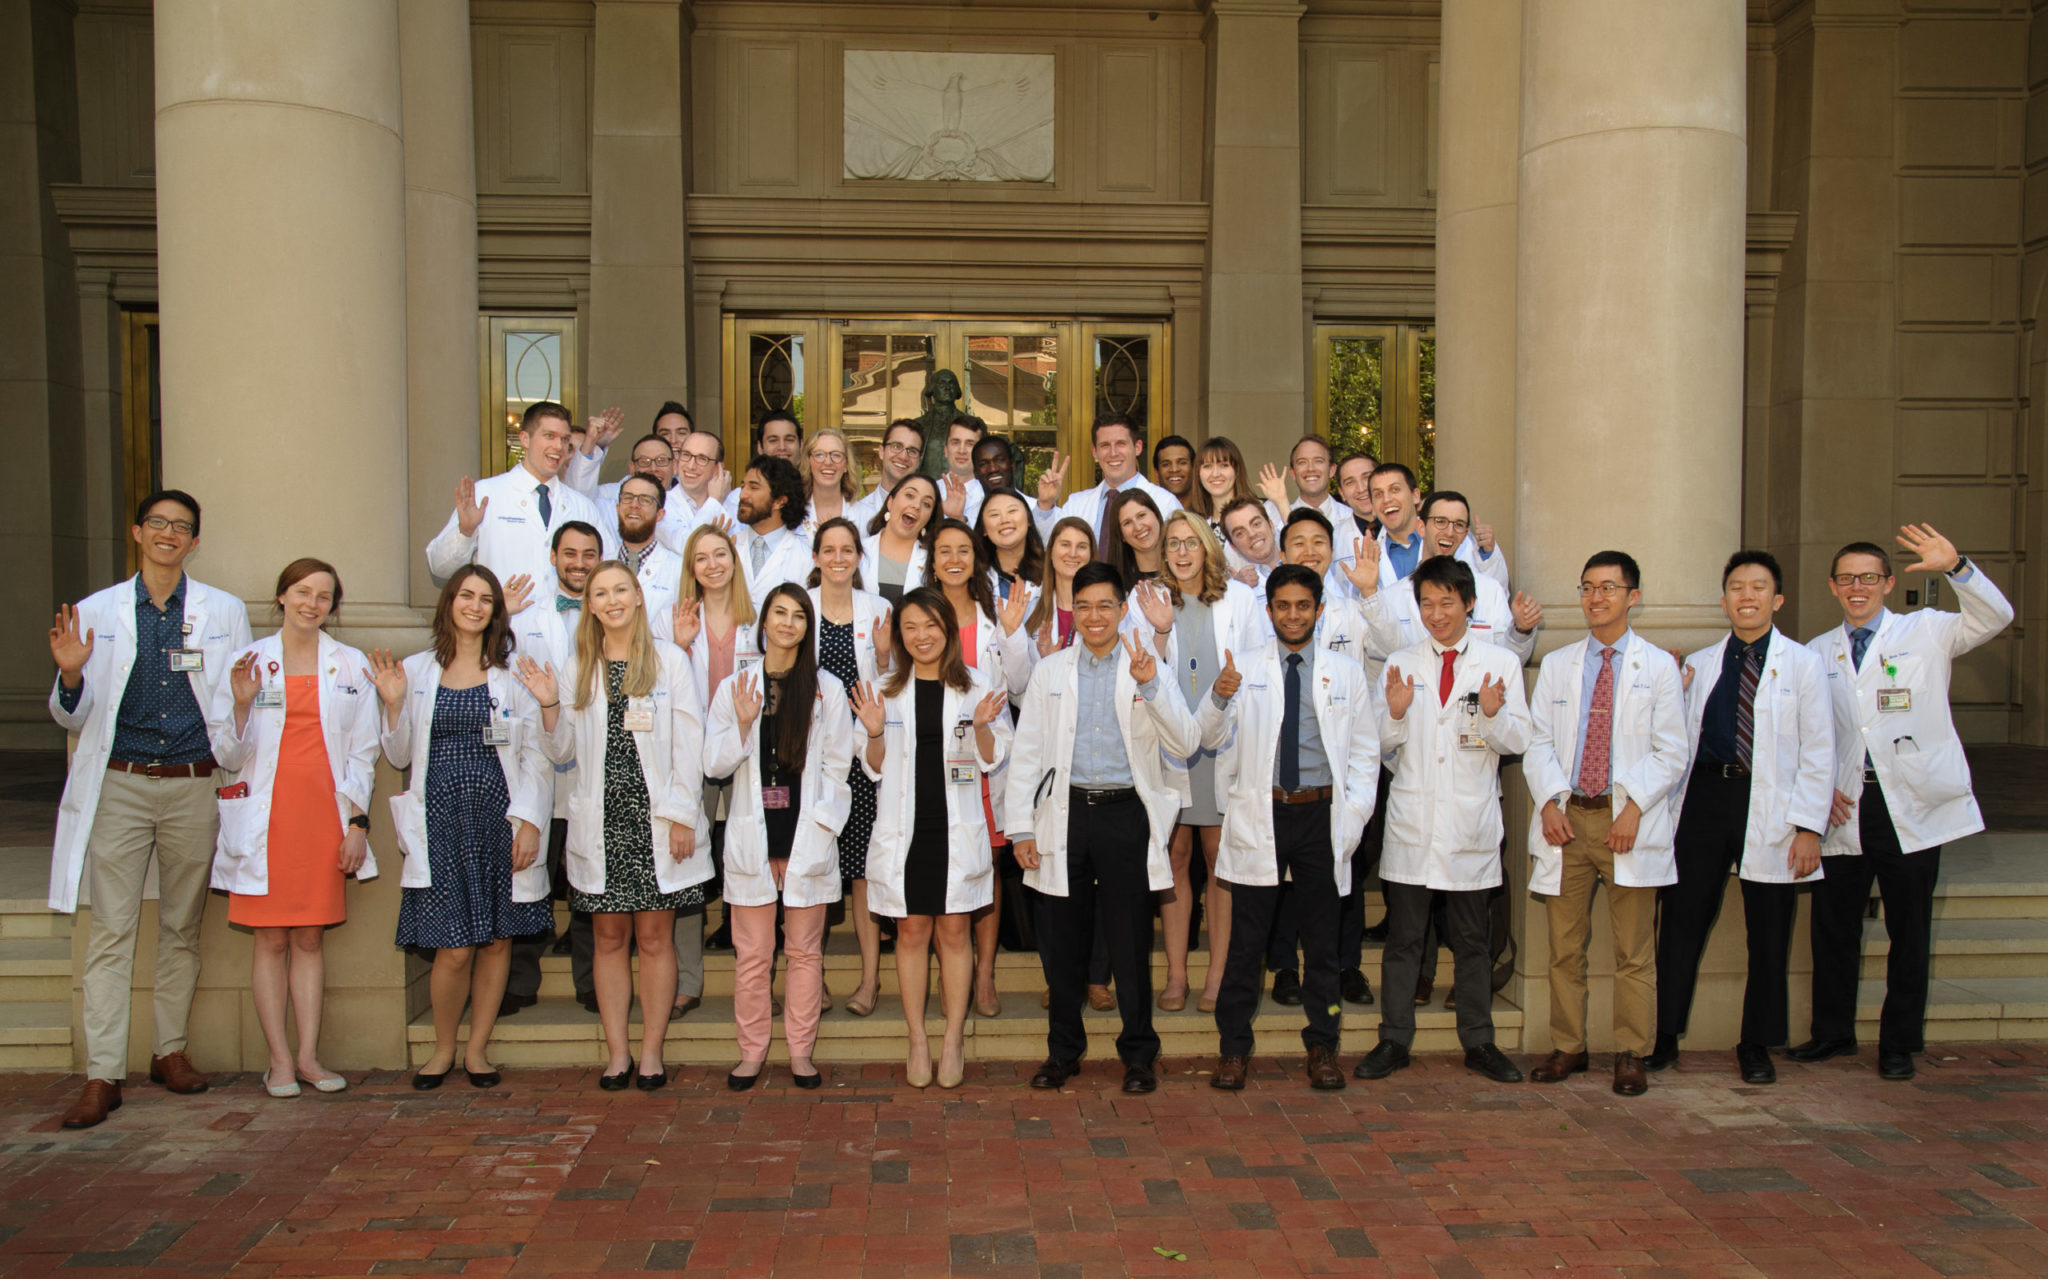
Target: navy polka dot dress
{"x":469,"y":842}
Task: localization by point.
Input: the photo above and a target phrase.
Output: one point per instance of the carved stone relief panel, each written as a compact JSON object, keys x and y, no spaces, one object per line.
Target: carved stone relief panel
{"x":927,"y":116}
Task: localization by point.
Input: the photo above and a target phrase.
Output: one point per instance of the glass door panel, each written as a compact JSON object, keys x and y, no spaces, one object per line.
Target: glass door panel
{"x":772,"y":366}
{"x":527,"y":359}
{"x":1376,"y":392}
{"x":1013,"y":385}
{"x":883,"y":376}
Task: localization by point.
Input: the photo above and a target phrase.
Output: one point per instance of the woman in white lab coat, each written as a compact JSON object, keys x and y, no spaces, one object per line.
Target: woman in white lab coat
{"x":714,"y":626}
{"x":469,"y":825}
{"x":852,"y":642}
{"x":785,"y":737}
{"x":1010,"y":543}
{"x":1051,"y":621}
{"x":992,"y":640}
{"x":297,"y":721}
{"x":637,"y":845}
{"x":899,"y":538}
{"x":930,"y":733}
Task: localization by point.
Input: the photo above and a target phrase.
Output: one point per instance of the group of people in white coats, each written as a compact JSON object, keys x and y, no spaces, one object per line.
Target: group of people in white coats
{"x":679,"y":685}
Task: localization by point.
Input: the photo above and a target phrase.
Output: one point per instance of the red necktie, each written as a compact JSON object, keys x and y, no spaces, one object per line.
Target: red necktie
{"x":1595,"y":752}
{"x":1443,"y":685}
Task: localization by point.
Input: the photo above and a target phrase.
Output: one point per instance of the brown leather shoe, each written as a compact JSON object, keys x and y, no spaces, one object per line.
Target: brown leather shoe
{"x":1231,"y":1068}
{"x":1558,"y":1067}
{"x":1324,"y":1074}
{"x":102,"y":1097}
{"x":1425,"y":990}
{"x":1100,"y":999}
{"x":1629,"y":1079}
{"x":174,"y":1071}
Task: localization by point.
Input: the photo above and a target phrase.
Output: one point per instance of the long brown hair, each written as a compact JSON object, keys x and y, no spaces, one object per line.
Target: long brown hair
{"x":797,"y":700}
{"x":1214,"y":583}
{"x":497,"y":637}
{"x":1032,"y":566}
{"x":1114,"y":550}
{"x":1048,"y":605}
{"x":1218,"y":448}
{"x":642,"y":661}
{"x":298,"y":571}
{"x":881,"y":520}
{"x":952,"y":666}
{"x":817,"y":577}
{"x":978,"y":589}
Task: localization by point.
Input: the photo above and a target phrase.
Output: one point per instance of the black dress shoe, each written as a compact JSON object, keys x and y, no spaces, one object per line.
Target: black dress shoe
{"x":511,"y":1004}
{"x":1287,"y":988}
{"x":588,"y":1003}
{"x":563,"y":945}
{"x":1664,"y":1055}
{"x":1754,"y":1060}
{"x":482,"y":1078}
{"x":816,"y":1079}
{"x":1382,"y":1061}
{"x":424,"y":1082}
{"x":1055,"y":1073}
{"x":740,"y":1083}
{"x":719,"y":938}
{"x":1490,"y":1061}
{"x":1821,"y":1049}
{"x":616,"y":1083}
{"x":648,"y":1083}
{"x":1353,"y":988}
{"x":1376,"y":933}
{"x":1894,"y":1065}
{"x":1139,"y":1077}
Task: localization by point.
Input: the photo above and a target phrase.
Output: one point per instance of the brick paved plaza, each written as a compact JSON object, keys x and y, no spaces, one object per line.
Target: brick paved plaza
{"x":1433,"y":1172}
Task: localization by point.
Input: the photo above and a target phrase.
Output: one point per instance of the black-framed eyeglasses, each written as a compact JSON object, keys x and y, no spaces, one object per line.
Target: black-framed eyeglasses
{"x":157,"y":523}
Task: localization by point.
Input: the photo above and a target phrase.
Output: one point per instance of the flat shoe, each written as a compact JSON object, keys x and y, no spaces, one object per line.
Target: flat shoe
{"x":482,"y":1078}
{"x":648,"y":1083}
{"x":815,"y":1080}
{"x":740,"y":1083}
{"x":824,"y":1000}
{"x":615,"y":1083}
{"x":992,"y":1008}
{"x":1205,"y":1005}
{"x":336,"y":1084}
{"x":859,"y":1009}
{"x":1172,"y":1003}
{"x":424,"y":1082}
{"x":280,"y":1090}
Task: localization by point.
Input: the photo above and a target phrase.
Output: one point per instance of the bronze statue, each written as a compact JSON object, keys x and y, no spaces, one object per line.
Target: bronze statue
{"x":941,"y":400}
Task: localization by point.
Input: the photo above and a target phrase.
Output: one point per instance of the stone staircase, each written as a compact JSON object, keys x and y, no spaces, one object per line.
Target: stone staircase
{"x":35,"y":985}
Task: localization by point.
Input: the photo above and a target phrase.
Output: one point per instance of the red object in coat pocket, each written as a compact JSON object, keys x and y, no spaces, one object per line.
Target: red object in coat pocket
{"x":240,"y":790}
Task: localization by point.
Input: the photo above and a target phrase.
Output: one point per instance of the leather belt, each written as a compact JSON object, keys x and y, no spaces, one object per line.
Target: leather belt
{"x":162,"y":772}
{"x":1722,"y":770}
{"x":1096,"y":796}
{"x":1600,"y":803}
{"x":1306,"y":795}
{"x":1870,"y":777}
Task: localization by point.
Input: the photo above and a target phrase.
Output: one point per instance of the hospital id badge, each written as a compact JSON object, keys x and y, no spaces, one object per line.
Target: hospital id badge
{"x":188,"y":659}
{"x":775,"y":797}
{"x":640,"y":715}
{"x":498,"y":732}
{"x":1894,"y":699}
{"x":1468,"y":725}
{"x":961,"y":767}
{"x":269,"y":699}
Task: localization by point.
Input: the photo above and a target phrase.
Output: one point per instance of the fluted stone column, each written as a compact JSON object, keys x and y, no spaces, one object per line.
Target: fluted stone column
{"x":440,"y":267}
{"x":1478,"y":150}
{"x":1629,"y":338}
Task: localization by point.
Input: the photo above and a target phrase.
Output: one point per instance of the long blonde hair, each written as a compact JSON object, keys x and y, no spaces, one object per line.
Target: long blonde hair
{"x":742,"y":601}
{"x":642,"y":663}
{"x":849,"y":479}
{"x":1214,"y":583}
{"x":1048,"y":606}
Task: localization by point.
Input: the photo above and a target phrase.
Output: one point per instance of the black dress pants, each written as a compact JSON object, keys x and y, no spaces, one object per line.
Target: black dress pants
{"x":1301,"y":847}
{"x":1468,"y":928}
{"x":522,"y":979}
{"x":1906,"y":881}
{"x":1708,"y":845}
{"x":1365,"y":859}
{"x":1106,"y":846}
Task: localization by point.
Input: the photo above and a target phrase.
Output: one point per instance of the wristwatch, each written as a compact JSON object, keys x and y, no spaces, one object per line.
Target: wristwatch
{"x":361,"y":822}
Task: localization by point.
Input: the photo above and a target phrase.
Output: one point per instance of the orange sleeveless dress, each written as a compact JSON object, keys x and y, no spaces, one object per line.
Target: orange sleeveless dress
{"x":304,"y":844}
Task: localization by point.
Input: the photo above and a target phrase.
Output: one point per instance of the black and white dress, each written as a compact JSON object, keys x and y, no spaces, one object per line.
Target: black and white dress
{"x":629,"y":882}
{"x":836,"y":654}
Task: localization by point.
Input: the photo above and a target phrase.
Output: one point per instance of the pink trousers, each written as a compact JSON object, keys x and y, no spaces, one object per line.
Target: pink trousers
{"x":753,"y":970}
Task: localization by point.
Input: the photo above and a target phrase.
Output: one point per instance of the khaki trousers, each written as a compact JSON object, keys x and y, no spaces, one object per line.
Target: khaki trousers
{"x":176,"y":819}
{"x":1633,"y":914}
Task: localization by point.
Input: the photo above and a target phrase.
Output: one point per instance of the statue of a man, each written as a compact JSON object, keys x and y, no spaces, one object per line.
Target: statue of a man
{"x":941,"y":401}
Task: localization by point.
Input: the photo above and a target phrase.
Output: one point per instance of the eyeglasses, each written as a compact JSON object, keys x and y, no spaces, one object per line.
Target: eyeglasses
{"x":698,"y":459}
{"x":833,"y":458}
{"x":640,"y":500}
{"x":1605,"y":590}
{"x":1183,"y":544}
{"x":157,"y":523}
{"x":1858,"y":579}
{"x":903,"y":450}
{"x":656,"y":460}
{"x":1445,"y":521}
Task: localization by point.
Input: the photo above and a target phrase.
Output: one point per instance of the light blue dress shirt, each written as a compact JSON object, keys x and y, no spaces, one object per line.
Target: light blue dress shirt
{"x":1587,"y":681}
{"x":1315,"y":761}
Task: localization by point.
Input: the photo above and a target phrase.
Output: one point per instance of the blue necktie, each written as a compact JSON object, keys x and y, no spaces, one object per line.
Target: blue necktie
{"x":1290,"y":726}
{"x":1859,"y":644}
{"x":547,"y":506}
{"x":563,"y":603}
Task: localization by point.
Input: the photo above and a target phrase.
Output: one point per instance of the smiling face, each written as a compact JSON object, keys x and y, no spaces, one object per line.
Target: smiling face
{"x":1293,"y":611}
{"x":1005,"y":520}
{"x":1097,"y":614}
{"x":1139,"y":527}
{"x":828,"y":461}
{"x":1174,"y":468}
{"x":697,"y":462}
{"x":1444,"y":528}
{"x":1186,"y":556}
{"x":308,"y":602}
{"x":573,"y":559}
{"x":992,"y":464}
{"x":613,"y":598}
{"x":639,"y":510}
{"x":1310,"y":463}
{"x":960,"y":441}
{"x":545,"y":446}
{"x":1306,"y":544}
{"x":166,"y":535}
{"x":1218,"y":478}
{"x":1605,"y":597}
{"x":474,"y":605}
{"x":923,"y":636}
{"x":757,"y":502}
{"x":711,"y":563}
{"x":1251,"y":533}
{"x":656,"y":458}
{"x":953,"y":560}
{"x":902,"y":449}
{"x":1116,"y":452}
{"x":911,"y":506}
{"x":1070,"y":549}
{"x":779,"y":439}
{"x":674,"y":428}
{"x":1395,"y":503}
{"x":838,"y":557}
{"x":1354,"y":484}
{"x":1444,"y":615}
{"x":1749,"y":598}
{"x":1861,"y":601}
{"x":785,"y":625}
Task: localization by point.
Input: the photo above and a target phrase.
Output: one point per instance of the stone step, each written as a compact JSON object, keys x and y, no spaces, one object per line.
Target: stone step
{"x":35,"y":969}
{"x":35,"y":1035}
{"x":1971,"y":946}
{"x":556,"y":1032}
{"x":31,"y":917}
{"x":1967,"y":1010}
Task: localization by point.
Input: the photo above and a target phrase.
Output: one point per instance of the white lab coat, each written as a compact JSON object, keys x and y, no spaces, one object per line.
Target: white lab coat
{"x":511,"y":539}
{"x":790,"y":561}
{"x":1918,"y":757}
{"x":970,"y":508}
{"x":1792,"y":759}
{"x":871,"y":563}
{"x":529,"y":778}
{"x":1243,"y":630}
{"x":219,"y":629}
{"x":868,"y":611}
{"x":1036,"y":795}
{"x":698,"y":655}
{"x":348,"y":728}
{"x":824,"y":800}
{"x":661,"y":578}
{"x":1245,"y":733}
{"x":1443,"y":812}
{"x":970,"y":869}
{"x":1086,"y":506}
{"x":1647,"y":756}
{"x":671,"y":760}
{"x":548,"y":635}
{"x":1394,"y":619}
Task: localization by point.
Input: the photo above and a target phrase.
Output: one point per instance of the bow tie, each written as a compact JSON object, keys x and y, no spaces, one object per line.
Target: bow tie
{"x":563,"y":603}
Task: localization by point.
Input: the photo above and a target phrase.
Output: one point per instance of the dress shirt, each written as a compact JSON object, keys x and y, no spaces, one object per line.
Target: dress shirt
{"x":1874,"y":625}
{"x":1588,"y":680}
{"x":1405,"y":558}
{"x":1315,"y":761}
{"x":1100,"y":759}
{"x":1717,"y":726}
{"x":159,"y":720}
{"x":634,"y":559}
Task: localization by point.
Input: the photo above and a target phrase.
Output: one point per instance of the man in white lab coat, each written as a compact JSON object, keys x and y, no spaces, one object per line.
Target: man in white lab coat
{"x":505,"y":522}
{"x":1453,"y":707}
{"x":642,"y":546}
{"x":1756,"y":799}
{"x":772,"y":506}
{"x":1297,"y":760}
{"x":1117,"y":447}
{"x":1607,"y":751}
{"x":1902,"y":786}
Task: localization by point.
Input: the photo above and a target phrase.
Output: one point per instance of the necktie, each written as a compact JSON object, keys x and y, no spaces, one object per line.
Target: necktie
{"x":564,"y":603}
{"x":1290,"y":726}
{"x":1449,"y":677}
{"x":1745,"y":705}
{"x":1102,"y":521}
{"x":547,"y":505}
{"x":760,"y":554}
{"x":1594,"y":752}
{"x":1859,"y":644}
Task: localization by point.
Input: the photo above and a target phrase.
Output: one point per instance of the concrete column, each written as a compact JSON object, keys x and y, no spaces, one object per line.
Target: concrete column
{"x":440,"y":267}
{"x":1253,"y":347}
{"x":639,"y":270}
{"x":1629,"y":299}
{"x":281,"y":274}
{"x":1478,"y":149}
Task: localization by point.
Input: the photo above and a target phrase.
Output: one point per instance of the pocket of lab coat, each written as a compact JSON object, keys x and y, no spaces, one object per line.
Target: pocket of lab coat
{"x":1931,"y":776}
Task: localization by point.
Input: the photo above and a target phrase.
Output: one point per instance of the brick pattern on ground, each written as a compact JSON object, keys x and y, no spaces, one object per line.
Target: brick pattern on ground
{"x":1434,"y":1172}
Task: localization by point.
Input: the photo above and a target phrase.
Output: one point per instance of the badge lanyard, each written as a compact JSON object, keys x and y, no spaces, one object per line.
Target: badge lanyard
{"x":270,"y":696}
{"x":1894,"y":699}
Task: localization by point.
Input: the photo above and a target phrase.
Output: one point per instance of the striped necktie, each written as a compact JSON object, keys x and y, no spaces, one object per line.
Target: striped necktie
{"x":1745,"y":705}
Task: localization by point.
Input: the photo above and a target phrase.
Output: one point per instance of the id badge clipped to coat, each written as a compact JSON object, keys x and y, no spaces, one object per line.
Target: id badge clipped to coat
{"x":1892,"y":701}
{"x":270,"y":697}
{"x":188,"y":659}
{"x":962,"y":769}
{"x":498,"y":728}
{"x":1468,"y":724}
{"x":639,"y":714}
